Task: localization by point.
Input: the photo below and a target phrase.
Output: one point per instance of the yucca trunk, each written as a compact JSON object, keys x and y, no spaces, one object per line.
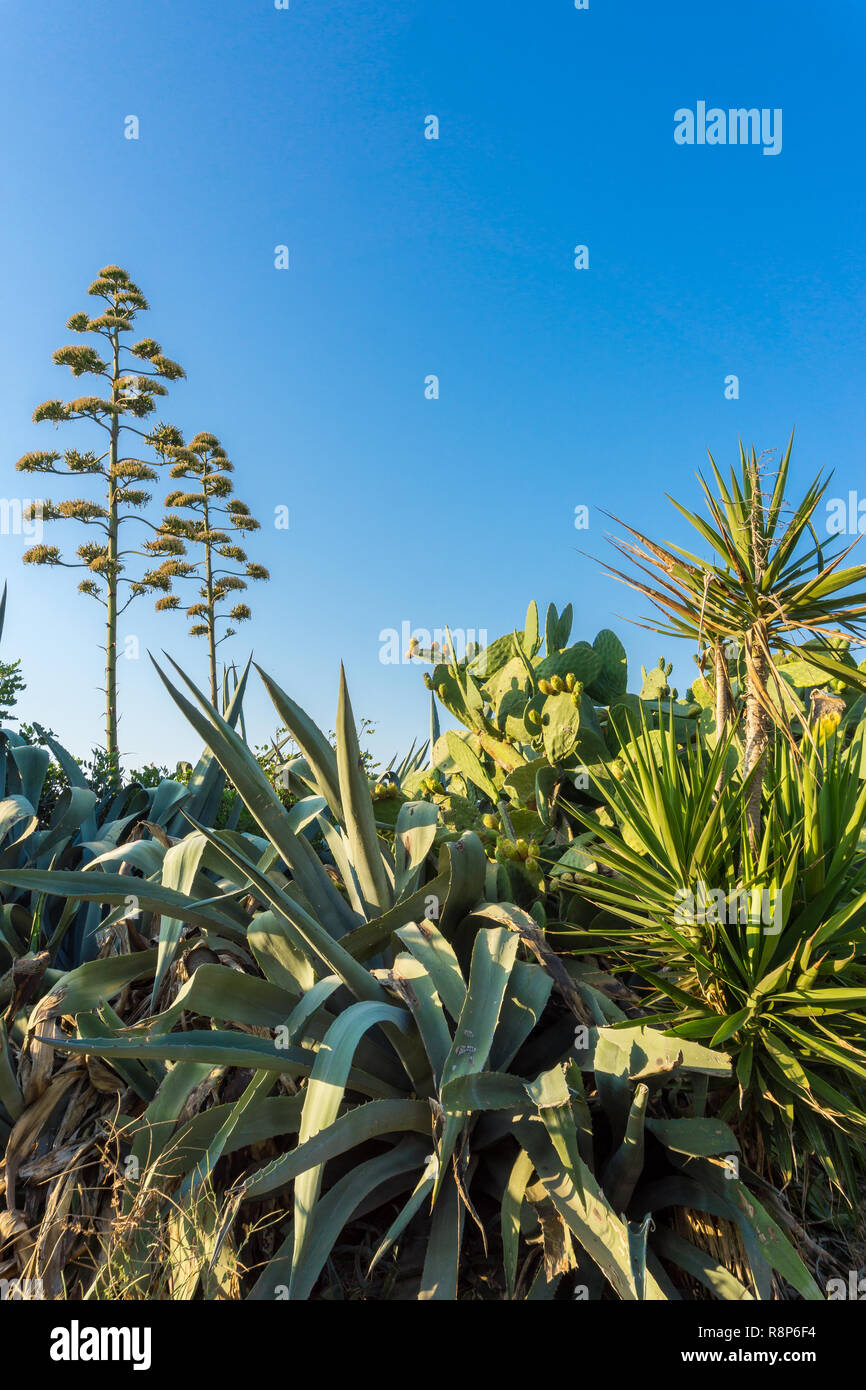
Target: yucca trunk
{"x":722,"y":697}
{"x":757,"y":731}
{"x":721,"y":687}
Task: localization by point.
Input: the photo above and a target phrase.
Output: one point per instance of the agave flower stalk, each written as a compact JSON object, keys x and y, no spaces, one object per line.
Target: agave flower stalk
{"x":128,"y":393}
{"x":214,"y":522}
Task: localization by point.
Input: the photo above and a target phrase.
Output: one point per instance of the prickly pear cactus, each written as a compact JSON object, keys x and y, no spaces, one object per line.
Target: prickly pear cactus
{"x":580,"y":661}
{"x":612,"y":679}
{"x":655,"y":682}
{"x":528,"y":704}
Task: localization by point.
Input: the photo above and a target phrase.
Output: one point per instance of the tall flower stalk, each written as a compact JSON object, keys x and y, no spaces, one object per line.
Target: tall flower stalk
{"x":127,"y":393}
{"x":214,"y":521}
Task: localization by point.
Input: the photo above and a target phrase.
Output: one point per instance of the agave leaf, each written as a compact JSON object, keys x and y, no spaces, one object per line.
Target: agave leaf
{"x":324,"y":1095}
{"x":685,"y":1192}
{"x":219,"y":1049}
{"x":89,"y":984}
{"x":165,"y":802}
{"x":776,"y":1249}
{"x":32,"y":763}
{"x":134,"y":1074}
{"x":218,"y":992}
{"x":10,"y":1095}
{"x":263,"y":804}
{"x":116,"y":889}
{"x":637,"y":1238}
{"x":179,"y":869}
{"x":337,"y":843}
{"x":357,"y":803}
{"x":152,"y":1131}
{"x":318,"y":752}
{"x":314,"y":999}
{"x":74,"y":810}
{"x":701,"y":1265}
{"x":355,"y":1127}
{"x":368,"y":940}
{"x":695,"y":1137}
{"x":13,"y":810}
{"x":145,"y":855}
{"x":414,"y":833}
{"x":423,"y":1187}
{"x":204,"y":790}
{"x":529,"y":989}
{"x":418,"y":991}
{"x":586,"y":1213}
{"x":542,"y":1289}
{"x":442,"y":1260}
{"x":180,"y":1149}
{"x":512,"y":1201}
{"x":71,"y":767}
{"x":255,"y":1092}
{"x":626,"y":1163}
{"x":430,"y":948}
{"x":467,"y":865}
{"x":337,"y":1207}
{"x":493,"y":956}
{"x":304,"y":931}
{"x":278,"y":956}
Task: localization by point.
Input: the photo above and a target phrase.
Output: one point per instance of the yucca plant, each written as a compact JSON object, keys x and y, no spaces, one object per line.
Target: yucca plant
{"x":764,"y":952}
{"x":770,"y":583}
{"x":413,"y":1048}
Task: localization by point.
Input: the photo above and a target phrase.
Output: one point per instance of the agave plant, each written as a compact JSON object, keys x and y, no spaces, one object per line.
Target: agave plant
{"x":761,"y":952}
{"x":130,"y":828}
{"x":404,"y":1046}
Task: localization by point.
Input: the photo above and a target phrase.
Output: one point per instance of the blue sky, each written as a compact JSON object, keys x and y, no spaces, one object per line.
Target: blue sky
{"x":410,"y":257}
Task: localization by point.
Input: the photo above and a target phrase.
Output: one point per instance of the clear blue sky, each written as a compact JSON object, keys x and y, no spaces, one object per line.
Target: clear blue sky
{"x":410,"y":257}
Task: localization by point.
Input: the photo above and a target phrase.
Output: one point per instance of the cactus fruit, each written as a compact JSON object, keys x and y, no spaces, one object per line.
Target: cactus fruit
{"x":386,"y":791}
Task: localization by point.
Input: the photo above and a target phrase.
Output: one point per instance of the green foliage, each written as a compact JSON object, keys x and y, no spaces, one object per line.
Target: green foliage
{"x":762,"y":953}
{"x":11,"y":686}
{"x":406,"y":1044}
{"x":541,"y":717}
